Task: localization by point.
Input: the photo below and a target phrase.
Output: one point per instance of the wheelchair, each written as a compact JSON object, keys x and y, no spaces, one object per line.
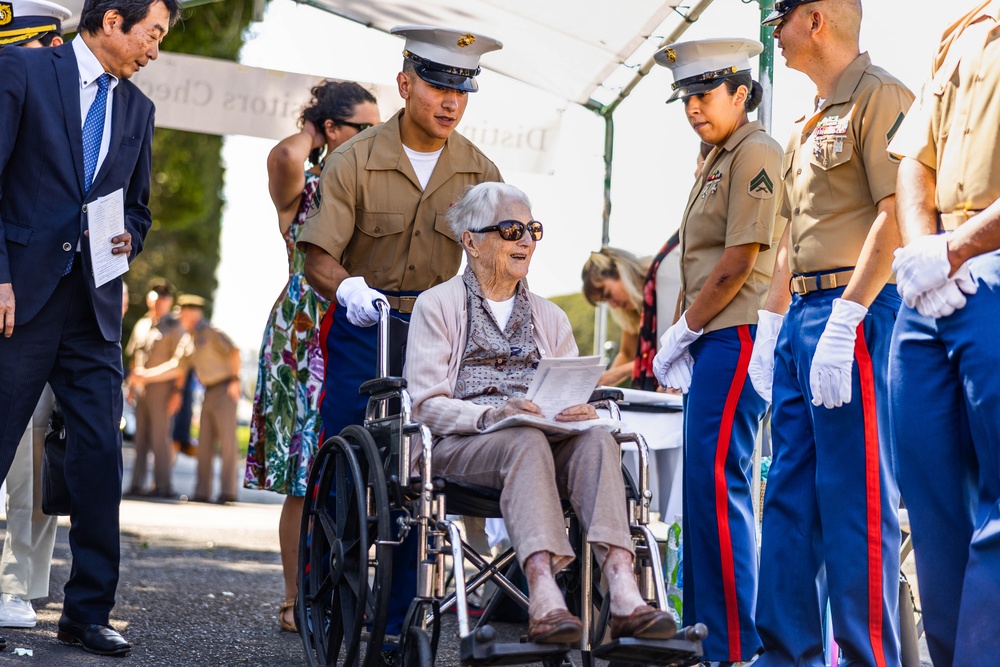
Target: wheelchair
{"x":361,"y":502}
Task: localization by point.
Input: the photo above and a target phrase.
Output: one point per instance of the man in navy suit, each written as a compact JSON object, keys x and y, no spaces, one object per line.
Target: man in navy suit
{"x":73,"y":129}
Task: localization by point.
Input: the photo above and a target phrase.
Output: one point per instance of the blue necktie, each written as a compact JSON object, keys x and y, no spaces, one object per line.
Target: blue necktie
{"x":93,"y":130}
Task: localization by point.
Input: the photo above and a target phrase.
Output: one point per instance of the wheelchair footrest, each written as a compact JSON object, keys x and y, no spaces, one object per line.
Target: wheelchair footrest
{"x":666,"y":652}
{"x":481,"y":648}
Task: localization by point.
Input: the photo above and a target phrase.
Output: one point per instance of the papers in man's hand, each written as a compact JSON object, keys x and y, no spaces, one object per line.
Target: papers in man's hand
{"x":105,"y":220}
{"x":564,"y":382}
{"x":549,"y":427}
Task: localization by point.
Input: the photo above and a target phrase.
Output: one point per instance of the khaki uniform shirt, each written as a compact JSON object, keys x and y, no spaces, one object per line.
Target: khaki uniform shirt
{"x":954,"y":128}
{"x":733,"y":203}
{"x":836,"y":168}
{"x":209,"y":352}
{"x":154,"y":344}
{"x":371,"y":215}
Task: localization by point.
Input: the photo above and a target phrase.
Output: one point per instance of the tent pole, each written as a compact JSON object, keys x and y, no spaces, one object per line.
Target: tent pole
{"x":766,"y":75}
{"x":766,"y":78}
{"x":601,"y":313}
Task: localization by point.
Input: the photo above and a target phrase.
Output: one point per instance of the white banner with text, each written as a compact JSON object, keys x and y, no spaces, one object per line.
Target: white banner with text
{"x":223,"y":97}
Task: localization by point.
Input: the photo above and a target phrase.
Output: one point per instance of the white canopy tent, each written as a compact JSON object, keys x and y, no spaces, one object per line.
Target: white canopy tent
{"x":572,"y":49}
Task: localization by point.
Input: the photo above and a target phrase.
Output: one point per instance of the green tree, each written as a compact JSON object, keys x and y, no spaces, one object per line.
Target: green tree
{"x":581,"y":317}
{"x":186,"y":190}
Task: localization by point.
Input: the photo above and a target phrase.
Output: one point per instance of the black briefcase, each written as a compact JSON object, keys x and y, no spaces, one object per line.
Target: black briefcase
{"x":55,"y":495}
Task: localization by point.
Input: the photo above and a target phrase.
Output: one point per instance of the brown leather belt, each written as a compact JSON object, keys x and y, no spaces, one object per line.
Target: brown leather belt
{"x":806,"y":284}
{"x":949,"y":222}
{"x":402,"y":304}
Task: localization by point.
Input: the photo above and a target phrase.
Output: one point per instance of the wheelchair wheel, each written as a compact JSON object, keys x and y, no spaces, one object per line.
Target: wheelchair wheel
{"x":418,"y":639}
{"x":344,"y":576}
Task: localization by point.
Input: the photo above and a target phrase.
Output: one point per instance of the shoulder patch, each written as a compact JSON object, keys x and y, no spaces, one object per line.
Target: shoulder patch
{"x":895,"y":127}
{"x":761,"y":185}
{"x":896,"y":159}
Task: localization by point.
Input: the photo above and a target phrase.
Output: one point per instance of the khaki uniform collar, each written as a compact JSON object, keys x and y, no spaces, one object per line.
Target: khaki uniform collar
{"x":849,"y":81}
{"x":387,"y":154}
{"x":740,"y":134}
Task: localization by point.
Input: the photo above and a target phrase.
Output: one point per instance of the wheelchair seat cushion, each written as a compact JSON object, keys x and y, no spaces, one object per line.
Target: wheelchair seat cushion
{"x":469,"y":499}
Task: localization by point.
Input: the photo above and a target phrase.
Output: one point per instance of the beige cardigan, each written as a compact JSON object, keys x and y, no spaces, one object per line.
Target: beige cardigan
{"x":435,"y":345}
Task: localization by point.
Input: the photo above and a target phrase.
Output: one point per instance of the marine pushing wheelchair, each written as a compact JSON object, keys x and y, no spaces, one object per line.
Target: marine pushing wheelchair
{"x":362,"y":501}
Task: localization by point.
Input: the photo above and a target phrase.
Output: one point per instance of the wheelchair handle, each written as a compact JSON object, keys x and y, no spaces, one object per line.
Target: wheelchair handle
{"x":382,"y":362}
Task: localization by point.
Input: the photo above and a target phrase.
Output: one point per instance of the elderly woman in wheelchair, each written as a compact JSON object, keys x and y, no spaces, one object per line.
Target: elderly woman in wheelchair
{"x":473,"y":346}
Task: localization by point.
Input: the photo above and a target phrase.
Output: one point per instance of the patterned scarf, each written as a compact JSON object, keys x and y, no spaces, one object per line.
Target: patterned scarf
{"x":642,"y":367}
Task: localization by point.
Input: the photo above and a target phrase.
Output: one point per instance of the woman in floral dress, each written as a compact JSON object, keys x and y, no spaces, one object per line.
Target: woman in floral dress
{"x":284,"y":433}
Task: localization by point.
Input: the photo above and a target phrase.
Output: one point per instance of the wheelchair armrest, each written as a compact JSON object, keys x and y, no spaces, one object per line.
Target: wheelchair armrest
{"x":607,"y":394}
{"x":382,"y":385}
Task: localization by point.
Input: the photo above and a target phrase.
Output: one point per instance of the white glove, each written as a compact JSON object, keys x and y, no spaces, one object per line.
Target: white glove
{"x":830,"y":374}
{"x":359,"y":299}
{"x":678,"y":374}
{"x":673,"y":343}
{"x":941,"y":301}
{"x":923,"y":265}
{"x":761,"y":370}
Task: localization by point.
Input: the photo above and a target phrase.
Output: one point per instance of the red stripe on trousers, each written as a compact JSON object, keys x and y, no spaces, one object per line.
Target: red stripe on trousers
{"x":873,"y":494}
{"x":722,"y":493}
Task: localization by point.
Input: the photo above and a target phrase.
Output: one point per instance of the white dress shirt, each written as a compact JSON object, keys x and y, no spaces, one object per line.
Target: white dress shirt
{"x":90,"y":70}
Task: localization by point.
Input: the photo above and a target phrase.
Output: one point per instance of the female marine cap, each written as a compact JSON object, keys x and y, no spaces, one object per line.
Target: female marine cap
{"x":445,"y":57}
{"x":23,"y":21}
{"x":703,"y":65}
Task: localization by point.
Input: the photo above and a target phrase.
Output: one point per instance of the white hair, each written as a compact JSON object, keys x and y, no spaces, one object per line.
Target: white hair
{"x":482,"y":205}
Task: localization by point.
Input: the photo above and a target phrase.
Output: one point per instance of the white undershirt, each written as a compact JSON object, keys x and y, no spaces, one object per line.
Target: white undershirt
{"x":423,"y":163}
{"x":501,"y":311}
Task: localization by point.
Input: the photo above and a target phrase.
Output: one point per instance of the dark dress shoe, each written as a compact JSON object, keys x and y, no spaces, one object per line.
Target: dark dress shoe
{"x":3,"y":643}
{"x":644,"y":623}
{"x":225,"y":500}
{"x":557,"y":627}
{"x":93,"y":638}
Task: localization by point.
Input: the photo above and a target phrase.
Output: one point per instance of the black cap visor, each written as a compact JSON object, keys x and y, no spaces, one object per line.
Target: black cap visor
{"x":27,"y":30}
{"x":436,"y":74}
{"x":694,"y":89}
{"x":781,"y":9}
{"x":696,"y":85}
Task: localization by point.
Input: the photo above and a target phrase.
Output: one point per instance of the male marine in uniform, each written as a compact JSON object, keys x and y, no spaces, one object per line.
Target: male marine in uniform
{"x":830,"y":528}
{"x":74,"y":130}
{"x":380,"y":232}
{"x":154,"y":340}
{"x":216,"y":361}
{"x":943,"y":363}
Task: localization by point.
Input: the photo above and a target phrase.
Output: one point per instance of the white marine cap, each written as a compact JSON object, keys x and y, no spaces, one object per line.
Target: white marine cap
{"x":703,"y":65}
{"x":23,"y":21}
{"x":445,"y":57}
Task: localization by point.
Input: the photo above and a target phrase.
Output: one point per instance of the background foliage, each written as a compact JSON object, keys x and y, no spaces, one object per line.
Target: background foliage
{"x":186,"y":199}
{"x":581,"y":317}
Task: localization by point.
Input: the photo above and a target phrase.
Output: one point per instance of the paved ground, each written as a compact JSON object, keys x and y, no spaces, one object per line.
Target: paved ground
{"x":199,"y":585}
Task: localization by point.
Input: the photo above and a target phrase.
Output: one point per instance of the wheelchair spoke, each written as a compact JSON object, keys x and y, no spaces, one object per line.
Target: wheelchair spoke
{"x":347,"y":613}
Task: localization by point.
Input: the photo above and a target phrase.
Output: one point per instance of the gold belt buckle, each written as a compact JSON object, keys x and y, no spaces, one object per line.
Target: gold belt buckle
{"x":952,"y":221}
{"x":800,"y":284}
{"x":406,"y":304}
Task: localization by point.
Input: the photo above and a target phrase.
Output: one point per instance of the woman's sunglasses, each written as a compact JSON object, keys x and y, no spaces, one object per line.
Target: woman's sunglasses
{"x":360,"y":127}
{"x":513,"y":230}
